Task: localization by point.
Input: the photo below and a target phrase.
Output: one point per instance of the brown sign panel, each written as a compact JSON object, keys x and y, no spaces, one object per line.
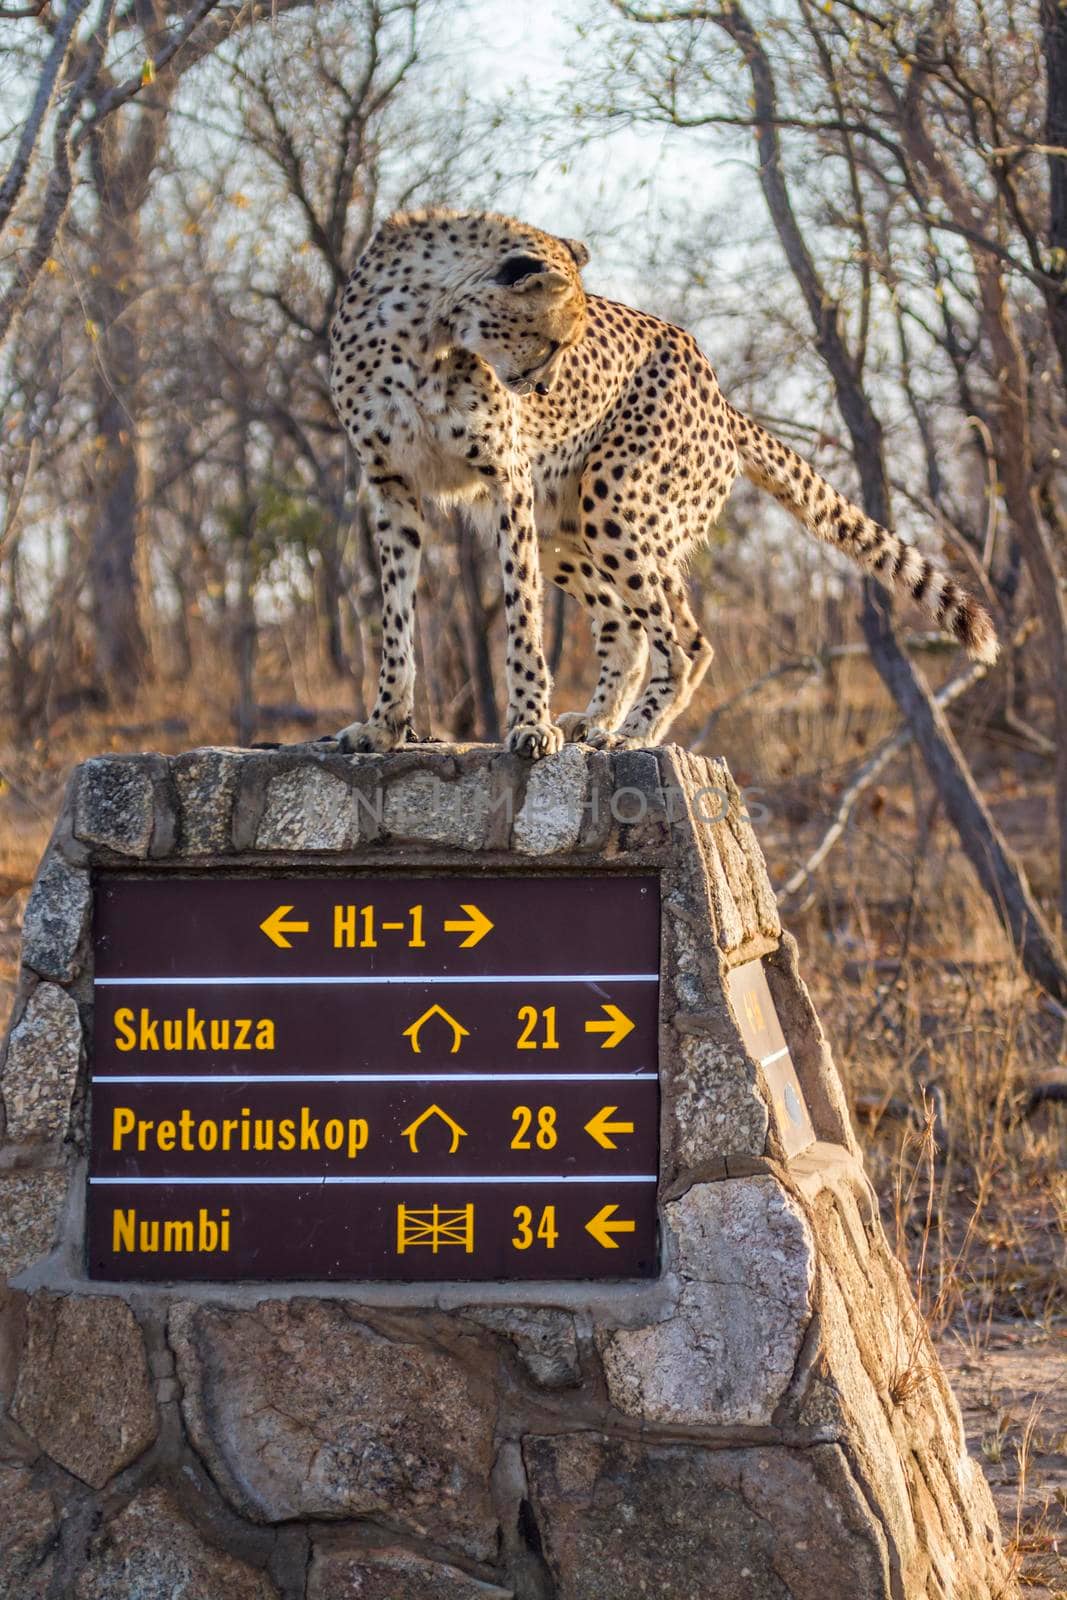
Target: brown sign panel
{"x":764,"y":1039}
{"x":360,"y":1077}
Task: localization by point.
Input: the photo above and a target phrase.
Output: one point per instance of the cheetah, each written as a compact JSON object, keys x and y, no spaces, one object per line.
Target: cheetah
{"x":590,"y":442}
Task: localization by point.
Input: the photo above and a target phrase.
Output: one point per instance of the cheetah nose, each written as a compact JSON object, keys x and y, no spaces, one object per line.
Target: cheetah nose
{"x":541,"y":388}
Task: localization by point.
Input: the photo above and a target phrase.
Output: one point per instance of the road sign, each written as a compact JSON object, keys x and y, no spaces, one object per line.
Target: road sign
{"x":374,"y":1078}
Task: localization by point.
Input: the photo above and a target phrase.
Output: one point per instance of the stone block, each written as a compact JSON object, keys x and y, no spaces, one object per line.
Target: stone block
{"x":30,"y":1207}
{"x":307,"y":808}
{"x":391,"y":1574}
{"x":716,"y":1108}
{"x":206,"y":781}
{"x":429,"y":809}
{"x":300,"y":1410}
{"x":83,"y":1392}
{"x":637,"y":1519}
{"x":545,"y":1340}
{"x":746,"y":1263}
{"x":114,"y":804}
{"x":553,"y":810}
{"x":42,"y":1066}
{"x":150,"y":1552}
{"x":27,"y":1533}
{"x":56,"y":919}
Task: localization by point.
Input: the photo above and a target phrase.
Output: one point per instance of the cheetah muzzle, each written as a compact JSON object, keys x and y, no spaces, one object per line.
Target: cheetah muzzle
{"x":590,"y":442}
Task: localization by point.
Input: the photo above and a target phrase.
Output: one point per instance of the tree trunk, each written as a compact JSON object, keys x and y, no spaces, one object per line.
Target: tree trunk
{"x":1054,"y":40}
{"x":118,"y":500}
{"x":123,"y":156}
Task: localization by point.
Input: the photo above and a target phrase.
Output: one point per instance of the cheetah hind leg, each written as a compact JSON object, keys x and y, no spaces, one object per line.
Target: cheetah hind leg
{"x":694,"y":642}
{"x":622,"y":650}
{"x":687,"y":654}
{"x":672,"y":668}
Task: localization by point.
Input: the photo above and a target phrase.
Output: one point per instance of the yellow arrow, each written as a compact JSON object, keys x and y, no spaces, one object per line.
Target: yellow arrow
{"x":617,"y":1027}
{"x":458,"y":1030}
{"x":600,"y":1129}
{"x":276,"y":927}
{"x":476,"y":926}
{"x":602,"y":1227}
{"x":410,"y":1133}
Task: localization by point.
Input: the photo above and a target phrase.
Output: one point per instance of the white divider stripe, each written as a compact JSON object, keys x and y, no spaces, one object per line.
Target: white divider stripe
{"x":416,"y":1178}
{"x":390,"y":1077}
{"x":414,"y":981}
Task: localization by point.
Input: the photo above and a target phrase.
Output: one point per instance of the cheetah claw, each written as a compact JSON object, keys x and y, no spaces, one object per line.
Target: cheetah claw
{"x":535,"y":740}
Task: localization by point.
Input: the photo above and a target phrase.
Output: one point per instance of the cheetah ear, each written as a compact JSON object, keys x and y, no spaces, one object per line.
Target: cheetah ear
{"x":578,"y":251}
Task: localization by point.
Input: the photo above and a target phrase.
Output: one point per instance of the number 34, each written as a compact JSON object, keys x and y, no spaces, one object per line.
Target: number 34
{"x":526,"y":1232}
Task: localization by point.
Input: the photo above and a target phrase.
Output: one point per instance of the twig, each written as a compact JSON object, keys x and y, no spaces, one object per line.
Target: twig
{"x":814,"y":664}
{"x":876,"y":763}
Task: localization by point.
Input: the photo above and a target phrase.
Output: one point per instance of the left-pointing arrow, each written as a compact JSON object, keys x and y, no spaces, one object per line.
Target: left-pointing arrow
{"x":602,"y":1227}
{"x":601,"y":1127}
{"x":276,"y":927}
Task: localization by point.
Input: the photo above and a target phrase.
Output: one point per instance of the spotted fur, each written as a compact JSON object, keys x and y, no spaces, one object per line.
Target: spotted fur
{"x":590,"y":441}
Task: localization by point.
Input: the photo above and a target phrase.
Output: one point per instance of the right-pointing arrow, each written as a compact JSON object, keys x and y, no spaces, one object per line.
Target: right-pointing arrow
{"x":617,"y":1026}
{"x":475,"y":925}
{"x":601,"y":1129}
{"x":602,"y":1227}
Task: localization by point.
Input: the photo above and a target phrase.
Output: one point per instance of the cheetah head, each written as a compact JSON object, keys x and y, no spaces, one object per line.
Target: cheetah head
{"x":525,"y":310}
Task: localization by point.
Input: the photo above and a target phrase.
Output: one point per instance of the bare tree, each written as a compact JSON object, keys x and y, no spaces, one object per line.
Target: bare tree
{"x":863,"y":117}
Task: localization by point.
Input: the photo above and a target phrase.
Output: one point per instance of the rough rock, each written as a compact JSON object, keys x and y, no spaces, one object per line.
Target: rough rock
{"x":746,"y":1262}
{"x":42,"y":1065}
{"x":307,"y":809}
{"x":206,"y":781}
{"x":552,"y":813}
{"x":391,"y":1574}
{"x":717,"y":1109}
{"x":83,"y":1392}
{"x":149,"y":1552}
{"x":27,"y":1530}
{"x":425,"y":808}
{"x":301,"y":1411}
{"x":30,"y":1207}
{"x":545,"y":1341}
{"x":631,"y":1521}
{"x":57,"y":915}
{"x":114,"y":805}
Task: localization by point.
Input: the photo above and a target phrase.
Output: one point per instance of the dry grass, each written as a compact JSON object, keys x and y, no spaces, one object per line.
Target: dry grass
{"x":944,"y":1047}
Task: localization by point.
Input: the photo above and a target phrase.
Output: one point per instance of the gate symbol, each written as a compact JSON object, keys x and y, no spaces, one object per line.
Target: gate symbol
{"x":435,"y":1227}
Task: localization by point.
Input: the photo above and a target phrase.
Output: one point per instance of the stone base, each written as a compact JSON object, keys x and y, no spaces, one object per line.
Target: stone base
{"x":766,"y":1420}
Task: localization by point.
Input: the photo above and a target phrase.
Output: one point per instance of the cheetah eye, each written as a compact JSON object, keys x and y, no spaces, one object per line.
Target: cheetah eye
{"x":516,"y":268}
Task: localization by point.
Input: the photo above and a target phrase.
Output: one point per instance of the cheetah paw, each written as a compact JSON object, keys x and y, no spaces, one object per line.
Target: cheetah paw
{"x":601,"y":739}
{"x":604,"y":739}
{"x":535,"y":739}
{"x":576,"y":726}
{"x":372,"y":738}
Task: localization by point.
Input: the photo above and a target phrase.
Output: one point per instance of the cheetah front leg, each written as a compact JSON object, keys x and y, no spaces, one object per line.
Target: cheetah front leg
{"x":530,"y":729}
{"x":398,"y":533}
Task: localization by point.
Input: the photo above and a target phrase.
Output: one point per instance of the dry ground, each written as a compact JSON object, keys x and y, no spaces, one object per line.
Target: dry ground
{"x":951,"y":1060}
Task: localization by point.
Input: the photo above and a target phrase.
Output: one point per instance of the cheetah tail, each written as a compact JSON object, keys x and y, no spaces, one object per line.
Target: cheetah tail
{"x":830,"y":517}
